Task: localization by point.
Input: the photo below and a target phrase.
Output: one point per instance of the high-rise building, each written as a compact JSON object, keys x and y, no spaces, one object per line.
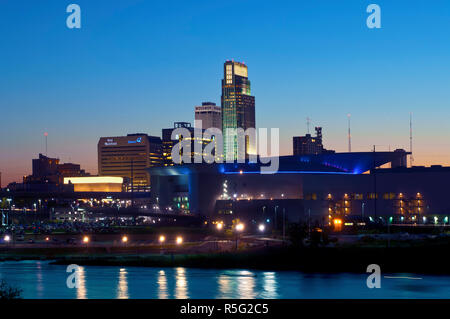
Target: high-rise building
{"x":44,"y":166}
{"x":309,"y":145}
{"x":210,"y":114}
{"x":238,"y":109}
{"x":196,"y":141}
{"x":128,"y":157}
{"x":50,"y":170}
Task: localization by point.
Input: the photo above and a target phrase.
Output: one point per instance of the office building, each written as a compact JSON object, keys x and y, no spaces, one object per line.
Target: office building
{"x":210,"y":114}
{"x":308,"y":145}
{"x":238,"y":110}
{"x":129,"y":157}
{"x":195,"y":138}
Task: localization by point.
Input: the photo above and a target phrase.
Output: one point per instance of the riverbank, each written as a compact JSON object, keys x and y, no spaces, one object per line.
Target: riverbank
{"x":326,"y":260}
{"x":428,"y":256}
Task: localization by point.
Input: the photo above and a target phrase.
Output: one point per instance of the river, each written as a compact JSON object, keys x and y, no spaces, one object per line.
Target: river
{"x":41,"y":280}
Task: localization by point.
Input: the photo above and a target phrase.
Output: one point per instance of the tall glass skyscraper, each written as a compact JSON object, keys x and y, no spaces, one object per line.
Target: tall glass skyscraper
{"x":238,"y":109}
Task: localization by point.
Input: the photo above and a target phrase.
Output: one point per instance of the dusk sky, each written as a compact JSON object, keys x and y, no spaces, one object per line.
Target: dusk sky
{"x":138,"y":66}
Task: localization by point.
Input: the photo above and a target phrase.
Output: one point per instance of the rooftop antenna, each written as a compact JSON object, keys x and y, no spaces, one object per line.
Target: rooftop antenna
{"x":308,"y":122}
{"x":46,"y":136}
{"x":411,"y":159}
{"x":349,"y":135}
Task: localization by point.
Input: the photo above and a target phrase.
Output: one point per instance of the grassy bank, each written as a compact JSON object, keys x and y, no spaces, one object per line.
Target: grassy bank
{"x":398,"y":260}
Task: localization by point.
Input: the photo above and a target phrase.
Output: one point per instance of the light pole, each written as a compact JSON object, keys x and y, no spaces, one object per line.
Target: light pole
{"x":362,"y":210}
{"x":162,"y":239}
{"x":239,"y":228}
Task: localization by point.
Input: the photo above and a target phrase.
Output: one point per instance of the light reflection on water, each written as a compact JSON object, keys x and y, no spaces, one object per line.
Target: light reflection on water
{"x":181,"y":284}
{"x":122,"y":288}
{"x":39,"y":279}
{"x":81,"y":290}
{"x":162,"y":285}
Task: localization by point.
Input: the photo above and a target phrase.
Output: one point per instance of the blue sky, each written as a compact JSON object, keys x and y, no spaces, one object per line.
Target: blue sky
{"x":138,"y":66}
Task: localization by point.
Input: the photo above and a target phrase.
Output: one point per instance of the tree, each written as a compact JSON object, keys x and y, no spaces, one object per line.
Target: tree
{"x":8,"y":292}
{"x":297,"y":233}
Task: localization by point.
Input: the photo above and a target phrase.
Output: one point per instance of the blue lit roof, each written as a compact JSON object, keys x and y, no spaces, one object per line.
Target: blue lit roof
{"x":334,"y":163}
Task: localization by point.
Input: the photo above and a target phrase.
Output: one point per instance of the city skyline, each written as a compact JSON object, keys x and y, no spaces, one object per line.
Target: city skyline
{"x":78,"y":90}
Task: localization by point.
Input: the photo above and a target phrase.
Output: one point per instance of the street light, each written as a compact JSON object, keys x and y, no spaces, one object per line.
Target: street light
{"x":124,"y":239}
{"x":179,"y":240}
{"x":85,"y":239}
{"x":7,"y":238}
{"x":162,"y":239}
{"x":219,"y":226}
{"x":239,"y":228}
{"x":261,"y":227}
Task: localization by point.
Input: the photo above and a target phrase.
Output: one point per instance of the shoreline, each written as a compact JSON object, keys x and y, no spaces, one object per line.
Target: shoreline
{"x":423,"y":260}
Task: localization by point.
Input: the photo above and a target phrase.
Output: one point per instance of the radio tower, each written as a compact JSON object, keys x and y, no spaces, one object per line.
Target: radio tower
{"x":46,"y":136}
{"x":308,"y":122}
{"x":411,"y":159}
{"x":349,"y":135}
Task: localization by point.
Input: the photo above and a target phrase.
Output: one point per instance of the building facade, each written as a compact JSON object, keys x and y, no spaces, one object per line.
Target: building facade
{"x":342,"y":186}
{"x":238,"y":110}
{"x":309,"y":145}
{"x":189,"y":136}
{"x":210,"y":115}
{"x":129,"y":157}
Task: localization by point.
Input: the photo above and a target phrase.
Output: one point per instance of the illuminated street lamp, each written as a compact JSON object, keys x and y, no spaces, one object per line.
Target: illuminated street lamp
{"x":179,"y":240}
{"x":240,"y":227}
{"x":124,"y":239}
{"x":261,"y":227}
{"x":86,"y":239}
{"x":7,"y":238}
{"x":162,"y":239}
{"x":219,"y":226}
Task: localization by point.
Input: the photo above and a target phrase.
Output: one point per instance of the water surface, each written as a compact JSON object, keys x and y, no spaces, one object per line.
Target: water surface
{"x":40,"y":279}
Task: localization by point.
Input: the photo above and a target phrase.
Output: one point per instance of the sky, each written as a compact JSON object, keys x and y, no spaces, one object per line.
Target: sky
{"x":138,"y":66}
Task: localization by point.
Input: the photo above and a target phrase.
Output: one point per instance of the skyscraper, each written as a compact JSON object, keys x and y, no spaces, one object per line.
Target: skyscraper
{"x":210,"y":114}
{"x":238,"y":109}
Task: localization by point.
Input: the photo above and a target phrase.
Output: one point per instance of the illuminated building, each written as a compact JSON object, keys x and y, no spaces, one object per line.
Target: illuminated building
{"x":210,"y":114}
{"x":322,"y":187}
{"x":238,"y":109}
{"x":95,"y":183}
{"x":194,"y":136}
{"x":129,"y":157}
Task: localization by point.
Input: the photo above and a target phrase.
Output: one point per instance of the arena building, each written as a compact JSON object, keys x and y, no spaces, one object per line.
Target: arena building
{"x":314,"y":187}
